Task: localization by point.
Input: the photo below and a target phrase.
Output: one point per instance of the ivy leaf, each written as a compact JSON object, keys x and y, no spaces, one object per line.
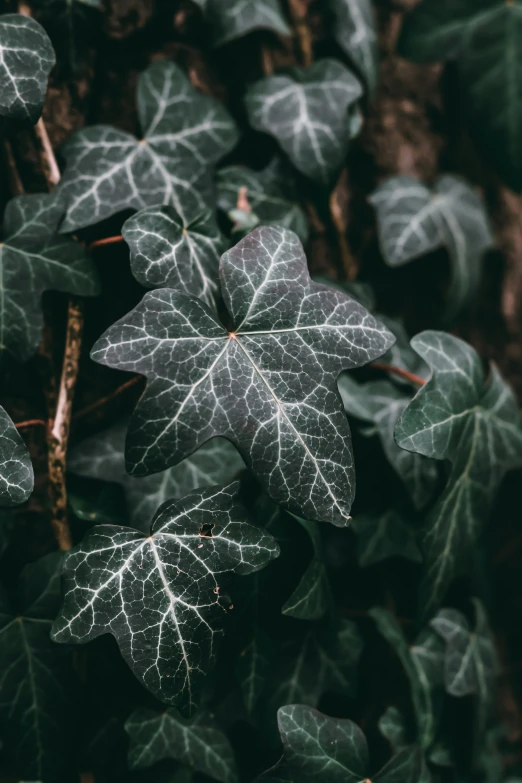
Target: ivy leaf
{"x":180,"y":568}
{"x":266,"y":195}
{"x":197,"y":743}
{"x":356,"y":33}
{"x":382,"y":536}
{"x":167,"y":252}
{"x":307,"y":112}
{"x":423,"y":664}
{"x":310,"y":599}
{"x":27,"y":60}
{"x":382,"y":403}
{"x":268,"y":385}
{"x":484,"y":38}
{"x":475,"y":424}
{"x":392,"y":726}
{"x":16,"y":470}
{"x":102,"y":457}
{"x":234,"y":18}
{"x":252,"y":668}
{"x":36,"y":680}
{"x":72,"y":25}
{"x":184,"y":133}
{"x":34,"y":259}
{"x":414,"y":220}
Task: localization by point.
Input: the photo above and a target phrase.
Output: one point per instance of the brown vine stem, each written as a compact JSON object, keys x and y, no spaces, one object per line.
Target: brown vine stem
{"x":105,"y":241}
{"x":108,"y":398}
{"x":349,"y":263}
{"x":299,"y":10}
{"x":408,"y":376}
{"x":22,"y":425}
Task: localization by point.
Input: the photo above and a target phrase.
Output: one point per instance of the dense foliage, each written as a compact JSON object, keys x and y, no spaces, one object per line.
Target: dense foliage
{"x":268,"y":553}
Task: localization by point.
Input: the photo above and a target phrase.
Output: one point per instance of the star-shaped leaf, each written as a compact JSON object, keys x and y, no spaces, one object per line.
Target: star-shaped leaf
{"x":382,"y":403}
{"x":321,"y":749}
{"x":161,"y":595}
{"x":423,"y":665}
{"x":25,"y":65}
{"x":380,"y":536}
{"x":356,"y":33}
{"x":16,"y":470}
{"x":34,"y":259}
{"x":167,"y":252}
{"x":102,"y":457}
{"x":268,"y":384}
{"x":475,"y":424}
{"x":232,"y":19}
{"x":35,"y":677}
{"x":197,"y":743}
{"x":307,"y":111}
{"x":310,"y":599}
{"x":485,"y":38}
{"x":184,"y":133}
{"x":266,"y":195}
{"x":414,"y":219}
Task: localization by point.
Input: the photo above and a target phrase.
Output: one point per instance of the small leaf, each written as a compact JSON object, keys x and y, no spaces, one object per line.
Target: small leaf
{"x":27,"y":60}
{"x":234,"y":18}
{"x":268,"y":384}
{"x":252,"y":669}
{"x":166,"y":252}
{"x":72,"y":25}
{"x":392,"y":726}
{"x":34,"y":259}
{"x":414,"y":220}
{"x":197,"y":743}
{"x":356,"y":33}
{"x":310,"y":599}
{"x":307,"y":112}
{"x":161,"y":595}
{"x":102,"y":457}
{"x":265,"y":194}
{"x":382,"y":536}
{"x":184,"y":133}
{"x":474,"y":424}
{"x":16,"y":470}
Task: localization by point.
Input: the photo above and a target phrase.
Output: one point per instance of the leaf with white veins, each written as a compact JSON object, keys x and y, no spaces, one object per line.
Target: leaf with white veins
{"x":232,"y":19}
{"x":356,"y":33}
{"x":16,"y":470}
{"x":380,"y":536}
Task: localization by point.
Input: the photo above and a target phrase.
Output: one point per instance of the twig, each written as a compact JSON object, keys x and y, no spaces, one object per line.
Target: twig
{"x":349,"y":263}
{"x":108,"y":398}
{"x":22,"y":425}
{"x":105,"y":241}
{"x":298,"y":10}
{"x":45,"y":151}
{"x":408,"y":376}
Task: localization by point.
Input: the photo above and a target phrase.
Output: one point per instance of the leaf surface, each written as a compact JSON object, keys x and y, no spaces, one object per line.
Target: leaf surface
{"x":310,"y":599}
{"x":16,"y":470}
{"x":234,"y":18}
{"x":268,"y":385}
{"x":356,"y":33}
{"x":161,"y":595}
{"x":252,"y":668}
{"x":382,"y":536}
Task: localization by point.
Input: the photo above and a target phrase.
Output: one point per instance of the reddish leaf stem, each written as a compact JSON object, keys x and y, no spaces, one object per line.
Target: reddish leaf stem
{"x":108,"y":398}
{"x":30,"y":423}
{"x":105,"y":241}
{"x":408,"y":376}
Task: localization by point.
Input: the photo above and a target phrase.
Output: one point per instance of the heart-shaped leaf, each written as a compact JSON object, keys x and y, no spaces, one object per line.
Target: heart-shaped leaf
{"x":310,"y":599}
{"x":485,"y":38}
{"x":26,"y":62}
{"x":234,"y":18}
{"x":184,"y":133}
{"x":102,"y":457}
{"x":167,"y":252}
{"x":197,"y":743}
{"x":35,"y":258}
{"x":268,"y":384}
{"x":161,"y":595}
{"x":476,"y":425}
{"x":356,"y":33}
{"x":382,"y":536}
{"x":266,"y":195}
{"x":16,"y":470}
{"x":413,"y":220}
{"x":307,"y":111}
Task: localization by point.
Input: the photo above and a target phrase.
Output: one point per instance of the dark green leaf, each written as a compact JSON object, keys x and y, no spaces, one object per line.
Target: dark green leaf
{"x":184,"y":133}
{"x":72,"y":25}
{"x":355,"y":31}
{"x":179,"y":570}
{"x":252,"y":668}
{"x":382,"y":536}
{"x":307,"y":112}
{"x":392,"y":726}
{"x":35,"y":258}
{"x":475,"y":424}
{"x":234,"y":18}
{"x":196,"y":743}
{"x":268,"y":385}
{"x":16,"y":470}
{"x":310,"y":599}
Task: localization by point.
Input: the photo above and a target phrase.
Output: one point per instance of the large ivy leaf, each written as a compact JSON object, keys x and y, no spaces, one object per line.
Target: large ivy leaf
{"x":310,"y":599}
{"x":356,"y":33}
{"x":476,"y":425}
{"x":197,"y":743}
{"x":485,"y":37}
{"x":413,"y":220}
{"x":307,"y":111}
{"x":423,"y":664}
{"x":382,"y":403}
{"x":268,"y":384}
{"x":16,"y":470}
{"x":184,"y":133}
{"x":161,"y":595}
{"x":234,"y":18}
{"x":35,"y":258}
{"x":35,"y":677}
{"x":25,"y":65}
{"x":266,"y":196}
{"x":102,"y":457}
{"x":167,"y":252}
{"x":382,"y":536}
